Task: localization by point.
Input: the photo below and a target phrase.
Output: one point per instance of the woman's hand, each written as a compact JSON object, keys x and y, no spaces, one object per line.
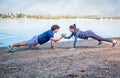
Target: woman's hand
{"x":72,"y":49}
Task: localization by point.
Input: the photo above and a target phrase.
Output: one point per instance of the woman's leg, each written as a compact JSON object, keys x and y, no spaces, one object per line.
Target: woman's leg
{"x":97,"y":37}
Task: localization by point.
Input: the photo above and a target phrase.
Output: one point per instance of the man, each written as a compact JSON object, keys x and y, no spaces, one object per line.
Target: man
{"x":40,"y":39}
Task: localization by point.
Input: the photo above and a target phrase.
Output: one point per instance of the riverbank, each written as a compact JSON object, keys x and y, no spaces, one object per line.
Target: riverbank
{"x":34,"y":16}
{"x":87,"y":61}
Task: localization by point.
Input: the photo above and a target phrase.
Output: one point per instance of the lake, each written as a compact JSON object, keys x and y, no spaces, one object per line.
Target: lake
{"x":16,"y":30}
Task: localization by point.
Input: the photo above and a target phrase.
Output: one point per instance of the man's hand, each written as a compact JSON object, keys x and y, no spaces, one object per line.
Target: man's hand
{"x":63,"y":35}
{"x":52,"y":47}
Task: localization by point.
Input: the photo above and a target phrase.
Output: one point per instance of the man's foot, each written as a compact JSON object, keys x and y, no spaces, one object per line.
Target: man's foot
{"x":100,"y":43}
{"x":19,"y":49}
{"x":10,"y":49}
{"x":114,"y":44}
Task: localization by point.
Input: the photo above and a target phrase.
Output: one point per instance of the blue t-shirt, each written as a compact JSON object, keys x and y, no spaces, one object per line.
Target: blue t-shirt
{"x":45,"y":37}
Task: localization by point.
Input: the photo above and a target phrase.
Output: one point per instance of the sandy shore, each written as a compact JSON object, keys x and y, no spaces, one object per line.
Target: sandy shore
{"x":87,"y":61}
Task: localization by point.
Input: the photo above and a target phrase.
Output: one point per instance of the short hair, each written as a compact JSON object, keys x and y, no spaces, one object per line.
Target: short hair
{"x":72,"y":26}
{"x":54,"y":27}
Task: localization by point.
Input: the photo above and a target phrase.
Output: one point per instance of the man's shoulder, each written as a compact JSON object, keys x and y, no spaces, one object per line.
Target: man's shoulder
{"x":49,"y":31}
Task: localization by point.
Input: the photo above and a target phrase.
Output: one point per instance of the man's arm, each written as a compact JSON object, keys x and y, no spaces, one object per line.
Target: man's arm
{"x":53,"y":40}
{"x":56,"y":39}
{"x":52,"y":44}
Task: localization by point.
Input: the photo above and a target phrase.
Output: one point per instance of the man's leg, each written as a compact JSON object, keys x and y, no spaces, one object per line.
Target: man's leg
{"x":10,"y":47}
{"x":19,"y":44}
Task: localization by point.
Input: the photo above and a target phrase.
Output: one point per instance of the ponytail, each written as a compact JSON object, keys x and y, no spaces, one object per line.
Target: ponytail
{"x":72,"y":26}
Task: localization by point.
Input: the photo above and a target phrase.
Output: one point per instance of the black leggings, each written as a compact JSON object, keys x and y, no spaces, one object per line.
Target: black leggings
{"x":91,"y":34}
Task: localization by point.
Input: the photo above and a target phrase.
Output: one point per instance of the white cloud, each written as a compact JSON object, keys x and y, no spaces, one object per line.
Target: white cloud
{"x":60,"y":7}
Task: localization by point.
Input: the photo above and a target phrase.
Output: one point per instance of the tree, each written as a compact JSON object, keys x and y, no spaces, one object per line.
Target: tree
{"x":20,"y":15}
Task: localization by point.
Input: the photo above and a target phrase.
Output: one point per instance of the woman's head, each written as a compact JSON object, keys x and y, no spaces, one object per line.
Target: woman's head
{"x":72,"y":28}
{"x":55,"y":28}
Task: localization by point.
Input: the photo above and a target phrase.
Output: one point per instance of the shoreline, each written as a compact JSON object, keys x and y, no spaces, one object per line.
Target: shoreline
{"x":58,"y":19}
{"x":114,"y":38}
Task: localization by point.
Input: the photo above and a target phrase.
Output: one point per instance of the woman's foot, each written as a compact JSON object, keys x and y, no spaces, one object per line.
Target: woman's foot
{"x":100,"y":43}
{"x":10,"y":49}
{"x":114,"y":44}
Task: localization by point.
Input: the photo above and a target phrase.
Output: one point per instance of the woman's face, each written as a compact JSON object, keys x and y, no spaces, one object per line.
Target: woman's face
{"x":71,"y":30}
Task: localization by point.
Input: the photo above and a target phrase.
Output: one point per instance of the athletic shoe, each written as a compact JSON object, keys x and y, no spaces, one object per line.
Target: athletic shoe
{"x":10,"y":49}
{"x":100,"y":43}
{"x":114,"y":44}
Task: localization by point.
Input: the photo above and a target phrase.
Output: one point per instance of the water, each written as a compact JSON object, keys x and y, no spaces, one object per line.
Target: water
{"x":16,"y":30}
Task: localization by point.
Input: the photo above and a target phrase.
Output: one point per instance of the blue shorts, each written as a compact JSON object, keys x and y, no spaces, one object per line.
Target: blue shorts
{"x":32,"y":42}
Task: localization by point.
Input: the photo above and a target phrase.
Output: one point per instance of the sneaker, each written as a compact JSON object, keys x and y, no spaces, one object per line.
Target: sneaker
{"x":19,"y":49}
{"x":10,"y":49}
{"x":100,"y":43}
{"x":114,"y":44}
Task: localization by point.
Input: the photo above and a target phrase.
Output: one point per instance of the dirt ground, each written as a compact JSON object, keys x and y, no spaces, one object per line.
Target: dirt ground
{"x":88,"y":60}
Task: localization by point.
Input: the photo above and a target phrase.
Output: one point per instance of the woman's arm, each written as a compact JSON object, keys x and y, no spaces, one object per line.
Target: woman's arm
{"x":69,"y":36}
{"x":76,"y":37}
{"x":75,"y":41}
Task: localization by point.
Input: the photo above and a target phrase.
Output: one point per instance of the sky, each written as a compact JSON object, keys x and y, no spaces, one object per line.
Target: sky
{"x":61,"y":7}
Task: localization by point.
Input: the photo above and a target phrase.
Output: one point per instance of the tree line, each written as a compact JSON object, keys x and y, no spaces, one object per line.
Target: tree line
{"x":22,"y":15}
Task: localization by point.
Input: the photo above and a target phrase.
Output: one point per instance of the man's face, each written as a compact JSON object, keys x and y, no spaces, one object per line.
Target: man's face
{"x":71,"y":30}
{"x":55,"y":31}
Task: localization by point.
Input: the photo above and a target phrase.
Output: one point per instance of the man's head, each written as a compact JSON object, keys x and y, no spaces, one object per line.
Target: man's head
{"x":55,"y":28}
{"x":72,"y":28}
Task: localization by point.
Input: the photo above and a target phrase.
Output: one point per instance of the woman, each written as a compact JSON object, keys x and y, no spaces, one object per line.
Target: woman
{"x":87,"y":34}
{"x":40,"y":39}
